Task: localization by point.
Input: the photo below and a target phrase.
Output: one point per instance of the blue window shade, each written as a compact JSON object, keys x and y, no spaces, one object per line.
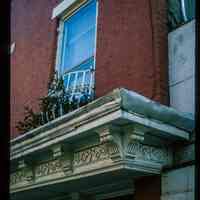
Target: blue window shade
{"x":79,"y":37}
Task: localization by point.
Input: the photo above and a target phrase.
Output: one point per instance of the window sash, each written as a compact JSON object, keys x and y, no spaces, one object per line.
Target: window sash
{"x":71,"y":45}
{"x":188,"y":9}
{"x":86,"y":84}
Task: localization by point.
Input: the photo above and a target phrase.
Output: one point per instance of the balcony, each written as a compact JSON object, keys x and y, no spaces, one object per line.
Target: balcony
{"x":117,"y":138}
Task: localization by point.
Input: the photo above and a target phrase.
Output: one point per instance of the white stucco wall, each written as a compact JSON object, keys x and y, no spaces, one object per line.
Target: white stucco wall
{"x":178,"y":184}
{"x":181,"y":43}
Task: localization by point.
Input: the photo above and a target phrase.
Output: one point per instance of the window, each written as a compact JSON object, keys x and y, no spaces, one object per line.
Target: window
{"x":188,"y":9}
{"x":180,"y":12}
{"x":77,"y":47}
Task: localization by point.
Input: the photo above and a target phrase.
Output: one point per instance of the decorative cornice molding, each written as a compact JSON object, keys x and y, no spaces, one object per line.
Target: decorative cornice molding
{"x":116,"y":106}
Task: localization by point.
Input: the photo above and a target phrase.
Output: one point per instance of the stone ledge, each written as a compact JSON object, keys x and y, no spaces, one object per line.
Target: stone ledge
{"x":121,"y":105}
{"x":107,"y":136}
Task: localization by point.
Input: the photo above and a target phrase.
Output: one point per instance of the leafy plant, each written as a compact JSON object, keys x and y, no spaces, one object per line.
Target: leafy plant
{"x":31,"y":120}
{"x":55,"y":104}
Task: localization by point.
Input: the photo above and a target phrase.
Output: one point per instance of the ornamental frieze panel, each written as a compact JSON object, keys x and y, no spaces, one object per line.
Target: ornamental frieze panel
{"x":23,"y":176}
{"x":90,"y":155}
{"x":17,"y":177}
{"x":67,"y":163}
{"x":48,"y":168}
{"x":149,"y":153}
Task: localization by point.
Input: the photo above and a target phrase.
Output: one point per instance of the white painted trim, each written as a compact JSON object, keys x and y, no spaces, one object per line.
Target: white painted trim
{"x":96,"y":25}
{"x":59,"y":47}
{"x":95,"y":48}
{"x":183,"y":9}
{"x":60,"y":8}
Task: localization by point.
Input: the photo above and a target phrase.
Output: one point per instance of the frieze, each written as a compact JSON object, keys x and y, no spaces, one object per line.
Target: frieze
{"x":48,"y":168}
{"x":17,"y":177}
{"x":149,"y":153}
{"x":90,"y":155}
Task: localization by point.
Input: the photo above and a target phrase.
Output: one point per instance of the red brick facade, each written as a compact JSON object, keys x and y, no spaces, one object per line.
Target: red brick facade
{"x":131,"y":50}
{"x":32,"y":61}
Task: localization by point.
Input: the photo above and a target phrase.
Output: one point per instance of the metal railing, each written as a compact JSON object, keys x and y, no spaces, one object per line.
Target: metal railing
{"x":75,"y":94}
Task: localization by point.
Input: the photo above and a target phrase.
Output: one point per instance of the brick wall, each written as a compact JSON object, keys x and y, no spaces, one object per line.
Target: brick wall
{"x":32,"y":61}
{"x":132,"y":48}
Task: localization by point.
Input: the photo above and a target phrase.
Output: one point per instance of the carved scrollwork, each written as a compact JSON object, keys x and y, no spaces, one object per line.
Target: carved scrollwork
{"x":17,"y":177}
{"x":24,"y":175}
{"x":93,"y":154}
{"x":110,"y":136}
{"x":149,"y":153}
{"x":48,"y":168}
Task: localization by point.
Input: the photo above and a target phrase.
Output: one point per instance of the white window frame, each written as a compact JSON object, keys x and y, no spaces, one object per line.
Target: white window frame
{"x":63,"y":11}
{"x":183,"y":9}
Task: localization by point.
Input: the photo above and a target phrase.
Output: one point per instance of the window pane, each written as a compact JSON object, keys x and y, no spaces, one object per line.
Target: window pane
{"x":84,"y":66}
{"x":190,"y":9}
{"x":87,"y":78}
{"x":79,"y":79}
{"x":179,"y":12}
{"x":79,"y":36}
{"x":80,"y":50}
{"x":65,"y":80}
{"x":71,"y":80}
{"x":81,"y":22}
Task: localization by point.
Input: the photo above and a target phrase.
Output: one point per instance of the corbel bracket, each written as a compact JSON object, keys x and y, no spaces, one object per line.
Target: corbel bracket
{"x":57,"y":151}
{"x":111,"y":136}
{"x":23,"y":166}
{"x":134,"y":133}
